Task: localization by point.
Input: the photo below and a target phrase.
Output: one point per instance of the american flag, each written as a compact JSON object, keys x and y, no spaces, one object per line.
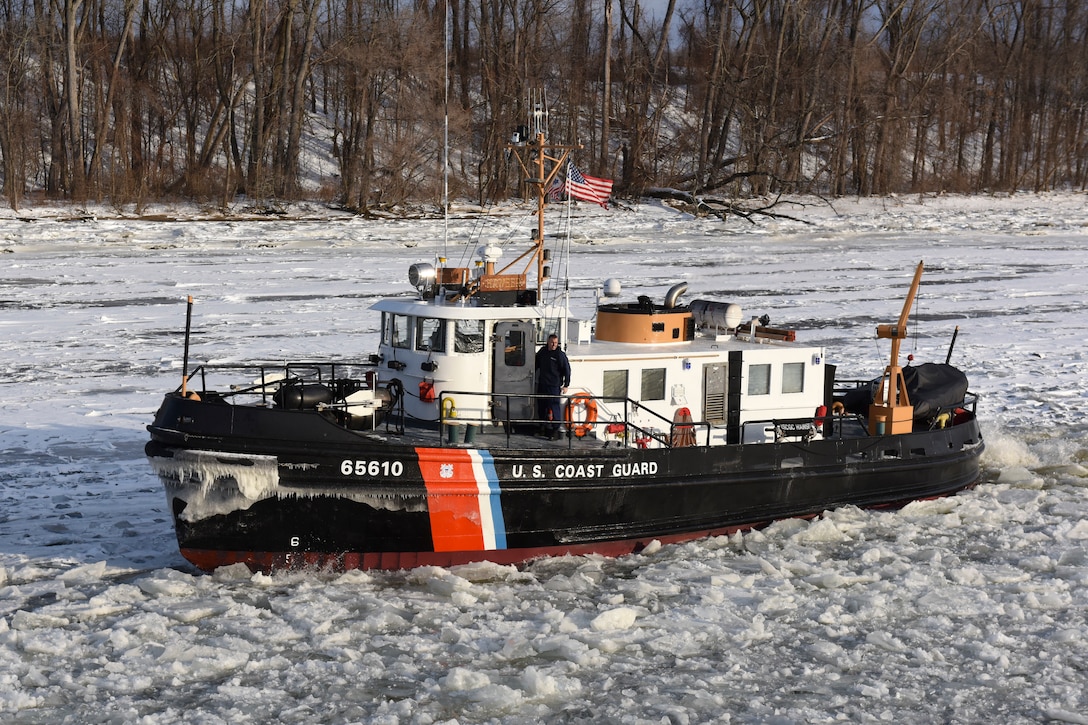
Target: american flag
{"x":581,"y":186}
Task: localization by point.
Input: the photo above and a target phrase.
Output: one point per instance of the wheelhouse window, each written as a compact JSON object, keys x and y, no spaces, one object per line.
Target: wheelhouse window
{"x":615,"y":384}
{"x":401,"y":331}
{"x":793,"y":378}
{"x":653,"y":384}
{"x":546,"y":328}
{"x":515,"y":348}
{"x":430,"y":334}
{"x":468,"y":336}
{"x":759,"y":379}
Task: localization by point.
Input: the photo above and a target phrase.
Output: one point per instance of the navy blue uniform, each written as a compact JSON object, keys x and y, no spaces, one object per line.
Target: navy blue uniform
{"x":552,"y":375}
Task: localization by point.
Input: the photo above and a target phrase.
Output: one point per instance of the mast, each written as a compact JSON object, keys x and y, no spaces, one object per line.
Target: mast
{"x":540,"y":163}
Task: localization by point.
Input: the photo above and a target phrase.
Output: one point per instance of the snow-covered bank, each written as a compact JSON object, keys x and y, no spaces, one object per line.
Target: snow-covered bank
{"x":968,"y":609}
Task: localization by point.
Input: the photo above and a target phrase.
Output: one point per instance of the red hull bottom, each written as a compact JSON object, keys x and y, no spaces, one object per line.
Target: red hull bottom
{"x":267,"y":561}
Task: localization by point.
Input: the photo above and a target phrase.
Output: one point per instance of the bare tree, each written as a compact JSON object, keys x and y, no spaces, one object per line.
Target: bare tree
{"x":16,"y":111}
{"x":644,"y":82}
{"x":603,"y":166}
{"x":297,"y":102}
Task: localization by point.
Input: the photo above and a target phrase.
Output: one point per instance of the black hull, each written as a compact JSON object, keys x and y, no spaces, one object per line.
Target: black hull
{"x":297,"y":489}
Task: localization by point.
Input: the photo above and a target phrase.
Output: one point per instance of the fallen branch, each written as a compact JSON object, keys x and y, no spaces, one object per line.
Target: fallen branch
{"x":703,"y":205}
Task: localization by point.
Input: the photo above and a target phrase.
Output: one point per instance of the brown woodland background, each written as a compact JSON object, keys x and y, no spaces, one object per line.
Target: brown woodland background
{"x":133,"y":101}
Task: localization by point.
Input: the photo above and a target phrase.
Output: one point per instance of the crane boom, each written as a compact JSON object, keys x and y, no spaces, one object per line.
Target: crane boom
{"x":891,"y":410}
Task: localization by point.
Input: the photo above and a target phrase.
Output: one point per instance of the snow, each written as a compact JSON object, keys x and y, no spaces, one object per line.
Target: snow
{"x":966,"y":609}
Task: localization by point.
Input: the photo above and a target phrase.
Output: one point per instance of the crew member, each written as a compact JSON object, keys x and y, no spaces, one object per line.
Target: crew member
{"x":552,"y":379}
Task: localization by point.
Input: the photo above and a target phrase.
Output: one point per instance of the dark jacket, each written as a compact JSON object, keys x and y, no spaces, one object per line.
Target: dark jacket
{"x":552,"y":369}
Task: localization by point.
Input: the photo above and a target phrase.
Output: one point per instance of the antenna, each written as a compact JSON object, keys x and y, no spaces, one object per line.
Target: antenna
{"x":538,"y":112}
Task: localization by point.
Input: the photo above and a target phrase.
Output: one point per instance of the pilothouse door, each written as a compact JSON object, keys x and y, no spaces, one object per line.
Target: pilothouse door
{"x":513,"y":367}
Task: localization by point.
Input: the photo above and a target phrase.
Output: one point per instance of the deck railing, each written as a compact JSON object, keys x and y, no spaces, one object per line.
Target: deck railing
{"x":626,"y":421}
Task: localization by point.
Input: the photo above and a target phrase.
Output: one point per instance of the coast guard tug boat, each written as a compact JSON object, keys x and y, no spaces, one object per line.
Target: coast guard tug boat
{"x":684,"y":419}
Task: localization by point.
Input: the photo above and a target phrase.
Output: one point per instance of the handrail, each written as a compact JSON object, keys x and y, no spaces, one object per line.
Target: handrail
{"x":630,"y":407}
{"x":301,"y":372}
{"x":664,"y":433}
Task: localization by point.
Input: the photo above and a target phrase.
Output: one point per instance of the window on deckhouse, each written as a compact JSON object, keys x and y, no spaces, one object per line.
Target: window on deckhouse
{"x":401,"y":331}
{"x":653,"y":384}
{"x":759,"y":379}
{"x":615,"y":384}
{"x":793,"y":378}
{"x":430,"y":334}
{"x":468,"y":336}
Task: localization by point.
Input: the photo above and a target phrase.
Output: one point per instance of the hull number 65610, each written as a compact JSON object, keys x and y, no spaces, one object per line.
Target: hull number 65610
{"x":371,"y":468}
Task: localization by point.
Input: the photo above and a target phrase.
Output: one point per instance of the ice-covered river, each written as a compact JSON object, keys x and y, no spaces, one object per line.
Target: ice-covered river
{"x":969,"y":609}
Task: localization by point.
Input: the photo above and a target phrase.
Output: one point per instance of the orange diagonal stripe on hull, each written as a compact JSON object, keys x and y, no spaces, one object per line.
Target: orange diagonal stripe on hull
{"x":452,"y":499}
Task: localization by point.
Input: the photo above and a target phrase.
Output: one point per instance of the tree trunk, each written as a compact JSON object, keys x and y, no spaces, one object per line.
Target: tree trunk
{"x":606,"y":92}
{"x":74,"y":116}
{"x":297,"y":107}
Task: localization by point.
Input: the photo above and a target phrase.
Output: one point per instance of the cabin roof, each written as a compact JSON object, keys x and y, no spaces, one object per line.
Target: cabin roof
{"x":457,"y":311}
{"x":700,"y":347}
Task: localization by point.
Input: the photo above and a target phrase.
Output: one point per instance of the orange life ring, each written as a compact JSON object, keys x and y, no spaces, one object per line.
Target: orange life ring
{"x":583,"y":425}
